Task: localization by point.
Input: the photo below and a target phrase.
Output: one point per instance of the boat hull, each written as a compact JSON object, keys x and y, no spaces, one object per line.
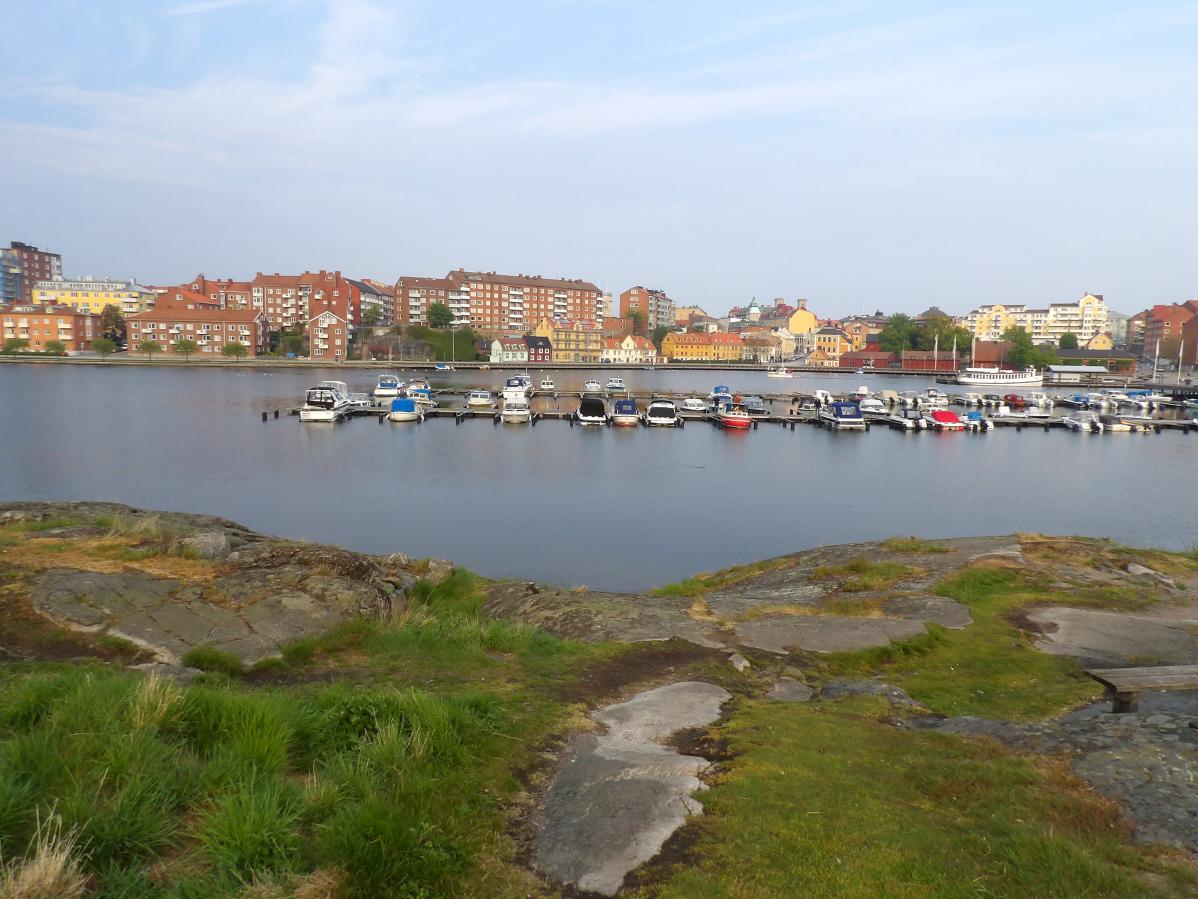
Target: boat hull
{"x":739,"y":422}
{"x":321,"y":415}
{"x":1019,"y":380}
{"x":404,"y":416}
{"x":625,"y":421}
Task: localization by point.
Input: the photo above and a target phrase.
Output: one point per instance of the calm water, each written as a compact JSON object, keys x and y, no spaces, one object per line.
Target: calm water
{"x":610,"y":508}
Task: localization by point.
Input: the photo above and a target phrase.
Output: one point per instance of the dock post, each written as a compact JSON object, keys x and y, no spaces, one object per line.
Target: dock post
{"x":264,"y":416}
{"x":276,"y":413}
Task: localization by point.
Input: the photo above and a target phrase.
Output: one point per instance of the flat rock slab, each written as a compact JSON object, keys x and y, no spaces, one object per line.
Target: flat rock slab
{"x":824,"y":633}
{"x":927,"y":607}
{"x":1113,"y":638}
{"x":619,"y":796}
{"x":790,"y":690}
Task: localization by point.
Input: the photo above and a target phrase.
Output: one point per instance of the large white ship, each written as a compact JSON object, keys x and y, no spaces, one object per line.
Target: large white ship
{"x":996,"y":377}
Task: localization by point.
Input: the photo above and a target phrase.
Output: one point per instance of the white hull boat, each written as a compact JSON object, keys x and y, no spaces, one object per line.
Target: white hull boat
{"x":994,"y":377}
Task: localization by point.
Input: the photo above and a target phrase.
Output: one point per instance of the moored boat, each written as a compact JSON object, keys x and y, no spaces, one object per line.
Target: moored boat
{"x":780,"y":372}
{"x":872,"y":406}
{"x":1114,"y":423}
{"x":842,"y":416}
{"x":547,"y":385}
{"x":592,"y":386}
{"x":695,"y":404}
{"x":719,"y":393}
{"x":975,"y":421}
{"x":662,"y":414}
{"x":327,"y":401}
{"x":387,"y":385}
{"x":755,"y":405}
{"x":515,"y":410}
{"x":480,"y":398}
{"x":405,"y":408}
{"x":731,"y":413}
{"x":592,"y":411}
{"x":943,"y":420}
{"x":1085,"y":422}
{"x":616,"y":385}
{"x":626,"y":414}
{"x":907,"y":419}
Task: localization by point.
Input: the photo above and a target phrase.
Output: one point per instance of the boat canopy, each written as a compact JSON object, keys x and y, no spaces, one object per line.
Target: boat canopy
{"x":388,"y":381}
{"x":592,"y":407}
{"x":974,"y":415}
{"x":945,"y":417}
{"x":626,"y":407}
{"x":321,"y":398}
{"x":516,"y":382}
{"x":721,"y":388}
{"x":403,"y":404}
{"x":845,"y":409}
{"x":419,"y":391}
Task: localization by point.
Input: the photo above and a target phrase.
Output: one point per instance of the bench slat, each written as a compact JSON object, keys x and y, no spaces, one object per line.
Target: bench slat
{"x":1174,"y":676}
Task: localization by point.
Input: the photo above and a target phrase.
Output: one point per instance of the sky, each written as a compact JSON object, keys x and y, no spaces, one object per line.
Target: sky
{"x":862,"y":155}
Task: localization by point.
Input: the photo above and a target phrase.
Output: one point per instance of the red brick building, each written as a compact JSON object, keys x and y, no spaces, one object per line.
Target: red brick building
{"x":291,"y":301}
{"x":414,"y":295}
{"x":654,"y":306}
{"x":1165,"y":323}
{"x":39,"y":325}
{"x":210,"y":329}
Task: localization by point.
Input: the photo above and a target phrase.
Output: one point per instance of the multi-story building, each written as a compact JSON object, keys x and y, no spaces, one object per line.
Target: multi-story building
{"x":705,"y":347}
{"x":653,"y":306}
{"x":802,"y":321}
{"x":210,"y":329}
{"x":414,"y":295}
{"x":93,"y":294}
{"x":39,"y":325}
{"x":684,"y":314}
{"x":1083,"y":319}
{"x":1164,"y":324}
{"x":374,"y":302}
{"x":832,"y":342}
{"x":225,"y":293}
{"x":860,"y":327}
{"x":572,"y":340}
{"x":539,"y":348}
{"x":509,"y":351}
{"x":333,"y":314}
{"x":27,"y":265}
{"x":500,"y":303}
{"x":629,"y":350}
{"x":292,"y":301}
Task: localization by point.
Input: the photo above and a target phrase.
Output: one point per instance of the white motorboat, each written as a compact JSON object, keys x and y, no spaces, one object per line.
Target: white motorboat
{"x":907,"y":419}
{"x":405,"y":408}
{"x":822,"y":398}
{"x":662,"y":414}
{"x":591,"y":411}
{"x":995,"y":377}
{"x":1114,"y":423}
{"x":422,"y":396}
{"x":842,"y":416}
{"x":517,"y":387}
{"x":755,"y":405}
{"x":861,"y":393}
{"x":387,"y":385}
{"x":934,"y":398}
{"x":694,"y":404}
{"x":592,"y":386}
{"x":418,"y":384}
{"x":547,"y":385}
{"x":1086,"y":422}
{"x":327,"y":401}
{"x":616,"y":385}
{"x":515,"y":411}
{"x":972,"y":399}
{"x":719,"y":392}
{"x":974,"y":420}
{"x":1042,"y":400}
{"x":780,"y":372}
{"x":1100,"y":401}
{"x":626,"y":413}
{"x":478,"y":398}
{"x":872,"y":406}
{"x":443,"y":366}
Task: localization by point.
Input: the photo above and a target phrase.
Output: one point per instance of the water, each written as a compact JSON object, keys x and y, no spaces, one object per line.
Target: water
{"x":608,"y":508}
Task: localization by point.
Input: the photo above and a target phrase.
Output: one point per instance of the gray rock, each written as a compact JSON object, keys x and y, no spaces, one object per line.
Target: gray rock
{"x":841,"y":687}
{"x":739,"y":662}
{"x":789,"y":690}
{"x":178,"y":673}
{"x":1137,"y":570}
{"x":438,"y":570}
{"x":208,"y":545}
{"x":396,"y":560}
{"x":1113,"y":638}
{"x":830,"y":633}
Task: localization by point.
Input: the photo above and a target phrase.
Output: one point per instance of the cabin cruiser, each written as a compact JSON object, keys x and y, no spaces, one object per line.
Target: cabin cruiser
{"x":1098,"y":401}
{"x":991,"y":399}
{"x":327,"y":401}
{"x":1014,"y":400}
{"x":480,"y":398}
{"x":719,"y":392}
{"x":908,"y":400}
{"x":943,"y":420}
{"x":731,"y":413}
{"x":592,"y":411}
{"x":1042,"y":400}
{"x":822,"y":398}
{"x":547,"y":385}
{"x":972,"y":399}
{"x":405,"y":408}
{"x":387,"y":385}
{"x":843,"y":415}
{"x":515,"y":410}
{"x":889,"y":397}
{"x":755,"y":405}
{"x":1114,"y":423}
{"x":1087,"y":422}
{"x":974,"y":420}
{"x":422,"y":395}
{"x":662,"y":414}
{"x":592,"y":386}
{"x":626,"y":414}
{"x":871,"y":405}
{"x":934,"y":398}
{"x":616,"y":385}
{"x":907,"y":419}
{"x":418,"y":384}
{"x":861,"y":393}
{"x":695,"y":404}
{"x":780,"y":372}
{"x":517,"y":387}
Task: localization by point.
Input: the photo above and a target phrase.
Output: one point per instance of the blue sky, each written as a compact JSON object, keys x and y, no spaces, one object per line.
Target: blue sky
{"x":860,"y":154}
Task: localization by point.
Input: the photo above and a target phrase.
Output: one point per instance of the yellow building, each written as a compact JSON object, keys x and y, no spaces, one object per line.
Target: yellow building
{"x":1083,"y":319}
{"x":572,"y":341}
{"x":1101,"y":341}
{"x":833,"y":343}
{"x":802,"y":320}
{"x":716,"y":347}
{"x":92,"y":295}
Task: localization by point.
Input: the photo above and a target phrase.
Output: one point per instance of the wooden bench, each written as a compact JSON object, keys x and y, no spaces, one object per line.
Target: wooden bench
{"x":1124,"y":685}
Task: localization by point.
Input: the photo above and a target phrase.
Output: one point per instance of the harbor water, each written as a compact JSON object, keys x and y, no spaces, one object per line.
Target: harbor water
{"x":608,"y":508}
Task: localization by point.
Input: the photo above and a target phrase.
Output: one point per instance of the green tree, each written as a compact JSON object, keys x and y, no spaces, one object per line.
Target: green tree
{"x":371,"y":317}
{"x":112,"y":324}
{"x":149,"y":347}
{"x":15,"y":344}
{"x":928,"y":330}
{"x":293,"y":343}
{"x":1068,"y":342}
{"x":103,"y":346}
{"x":638,"y":321}
{"x":440,"y":315}
{"x":55,"y":348}
{"x":659,"y":334}
{"x":185,"y":347}
{"x":1024,"y":353}
{"x":234,"y":350}
{"x":898,"y":333}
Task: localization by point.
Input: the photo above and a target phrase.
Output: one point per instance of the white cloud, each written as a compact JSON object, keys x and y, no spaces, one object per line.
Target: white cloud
{"x":201,"y":7}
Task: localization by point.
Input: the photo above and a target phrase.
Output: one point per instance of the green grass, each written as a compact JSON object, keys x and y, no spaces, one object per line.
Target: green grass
{"x":862,"y":575}
{"x":707,"y":582}
{"x":913,"y":545}
{"x":214,"y":661}
{"x":823,"y":803}
{"x":35,"y":527}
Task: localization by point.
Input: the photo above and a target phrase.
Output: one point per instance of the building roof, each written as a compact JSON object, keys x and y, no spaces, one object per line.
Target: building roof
{"x":1078,"y":369}
{"x":533,"y":342}
{"x":182,"y":297}
{"x":418,"y":281}
{"x":929,"y":354}
{"x":1082,"y":353}
{"x":459,"y":275}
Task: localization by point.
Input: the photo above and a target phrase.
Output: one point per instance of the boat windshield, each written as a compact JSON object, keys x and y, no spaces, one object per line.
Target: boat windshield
{"x":321,"y":398}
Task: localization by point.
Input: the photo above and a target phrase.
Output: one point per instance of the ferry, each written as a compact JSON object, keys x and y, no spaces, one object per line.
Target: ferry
{"x":388,"y":385}
{"x":842,"y":416}
{"x":662,"y":414}
{"x":731,"y":413}
{"x":405,"y":409}
{"x":515,"y":410}
{"x":626,"y":414}
{"x":591,"y":411}
{"x":996,"y":377}
{"x":480,"y":398}
{"x":327,"y":401}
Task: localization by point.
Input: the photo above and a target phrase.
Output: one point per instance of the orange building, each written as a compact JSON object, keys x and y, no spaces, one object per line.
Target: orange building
{"x":209,"y":329}
{"x":74,"y":329}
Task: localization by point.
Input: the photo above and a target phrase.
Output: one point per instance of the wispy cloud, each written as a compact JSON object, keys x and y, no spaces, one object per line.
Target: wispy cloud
{"x":200,"y":7}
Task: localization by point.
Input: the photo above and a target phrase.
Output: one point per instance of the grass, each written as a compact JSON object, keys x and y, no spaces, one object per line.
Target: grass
{"x":823,"y":803}
{"x":862,"y":575}
{"x":707,"y":582}
{"x":913,"y":545}
{"x":212,"y":660}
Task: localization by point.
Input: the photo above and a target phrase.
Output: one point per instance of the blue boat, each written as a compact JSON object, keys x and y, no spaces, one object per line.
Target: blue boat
{"x":719,"y":392}
{"x":626,"y":413}
{"x":405,"y":409}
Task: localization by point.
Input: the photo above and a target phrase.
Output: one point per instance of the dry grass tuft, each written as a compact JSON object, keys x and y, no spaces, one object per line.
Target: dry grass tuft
{"x":153,"y":702}
{"x":51,"y":871}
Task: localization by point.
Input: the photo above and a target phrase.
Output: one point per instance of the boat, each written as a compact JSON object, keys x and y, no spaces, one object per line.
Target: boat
{"x":821,"y":397}
{"x":1076,"y":401}
{"x":422,"y":395}
{"x":976,"y":421}
{"x":780,"y":372}
{"x":973,"y":399}
{"x":443,"y":366}
{"x":405,"y":408}
{"x":515,"y":410}
{"x":996,"y":377}
{"x":387,"y":385}
{"x":480,"y":398}
{"x":695,"y":404}
{"x":1114,"y":423}
{"x":908,"y":400}
{"x":907,"y":419}
{"x":327,"y":401}
{"x":991,"y":399}
{"x":934,"y":398}
{"x":547,"y":385}
{"x":755,"y":405}
{"x":616,"y":385}
{"x":1098,"y":401}
{"x":1042,"y":400}
{"x":517,"y":387}
{"x":592,"y":386}
{"x":626,"y":414}
{"x":943,"y":420}
{"x":592,"y":411}
{"x":731,"y":413}
{"x":1086,"y":422}
{"x":842,"y":415}
{"x":418,"y":384}
{"x":872,"y":406}
{"x":1014,"y":400}
{"x":719,"y":392}
{"x":861,"y":393}
{"x":662,"y":414}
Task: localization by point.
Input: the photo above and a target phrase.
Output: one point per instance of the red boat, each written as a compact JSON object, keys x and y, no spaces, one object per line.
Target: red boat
{"x":733,"y":414}
{"x":943,"y":420}
{"x":1014,"y":400}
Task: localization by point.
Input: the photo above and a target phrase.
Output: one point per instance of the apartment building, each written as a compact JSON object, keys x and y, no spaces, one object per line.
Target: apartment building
{"x":93,"y":294}
{"x":223,"y":293}
{"x":414,"y":295}
{"x":629,"y":350}
{"x":706,"y":347}
{"x":653,"y":306}
{"x":290,"y":301}
{"x":1164,"y":324}
{"x":373,"y":301}
{"x":21,"y":267}
{"x":207,"y":327}
{"x":1083,"y":319}
{"x":73,"y":328}
{"x":572,"y":340}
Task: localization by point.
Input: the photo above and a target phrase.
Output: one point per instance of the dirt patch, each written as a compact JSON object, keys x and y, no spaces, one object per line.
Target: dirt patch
{"x":644,"y":662}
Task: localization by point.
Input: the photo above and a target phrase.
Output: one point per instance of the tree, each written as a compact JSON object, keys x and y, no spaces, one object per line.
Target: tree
{"x":928,"y":330}
{"x":371,"y":317}
{"x":55,"y":348}
{"x":1068,"y":342}
{"x":103,"y":346}
{"x":897,"y":334}
{"x":659,"y":334}
{"x":1024,"y":353}
{"x":440,"y":315}
{"x":293,"y":343}
{"x":112,"y":324}
{"x":15,"y":344}
{"x":234,"y":350}
{"x":185,"y":347}
{"x":149,"y":347}
{"x":638,"y":320}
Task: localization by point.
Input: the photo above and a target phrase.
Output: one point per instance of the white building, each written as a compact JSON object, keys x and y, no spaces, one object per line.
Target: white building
{"x":509,"y":351}
{"x":1083,"y":319}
